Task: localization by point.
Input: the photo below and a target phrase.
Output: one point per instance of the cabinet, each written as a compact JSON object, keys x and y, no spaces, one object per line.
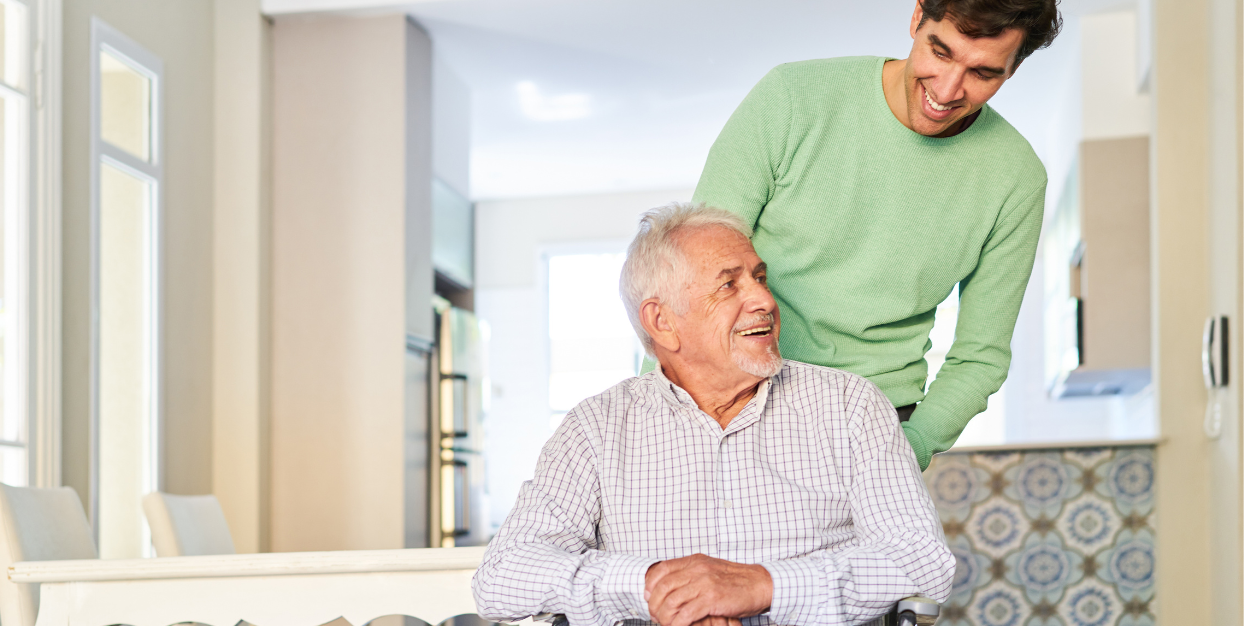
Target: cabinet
{"x":352,"y":282}
{"x":1096,"y":251}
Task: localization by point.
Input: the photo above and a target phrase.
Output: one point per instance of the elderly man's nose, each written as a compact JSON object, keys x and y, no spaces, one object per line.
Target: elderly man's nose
{"x":760,"y":298}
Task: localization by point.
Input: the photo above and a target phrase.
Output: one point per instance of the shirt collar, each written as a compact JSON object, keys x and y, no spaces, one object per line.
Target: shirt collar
{"x":687,"y":409}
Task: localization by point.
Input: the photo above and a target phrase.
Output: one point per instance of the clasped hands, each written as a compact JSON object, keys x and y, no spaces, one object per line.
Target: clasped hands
{"x":699,"y":590}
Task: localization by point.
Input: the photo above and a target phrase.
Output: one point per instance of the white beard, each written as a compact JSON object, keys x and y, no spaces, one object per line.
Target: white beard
{"x":763,"y":366}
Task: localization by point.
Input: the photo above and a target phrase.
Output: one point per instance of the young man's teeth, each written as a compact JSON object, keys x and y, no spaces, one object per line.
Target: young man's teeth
{"x":936,"y":106}
{"x":755,"y":330}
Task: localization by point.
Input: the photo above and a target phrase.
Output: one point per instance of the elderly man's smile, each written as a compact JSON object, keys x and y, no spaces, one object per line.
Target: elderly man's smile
{"x":759,"y":331}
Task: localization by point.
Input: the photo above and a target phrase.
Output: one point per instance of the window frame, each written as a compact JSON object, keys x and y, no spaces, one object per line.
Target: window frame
{"x":18,"y":246}
{"x":44,"y":297}
{"x":106,"y":38}
{"x":33,"y":249}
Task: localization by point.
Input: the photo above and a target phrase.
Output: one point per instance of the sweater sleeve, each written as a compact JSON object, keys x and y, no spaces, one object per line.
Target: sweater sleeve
{"x":980,"y":357}
{"x":752,"y":152}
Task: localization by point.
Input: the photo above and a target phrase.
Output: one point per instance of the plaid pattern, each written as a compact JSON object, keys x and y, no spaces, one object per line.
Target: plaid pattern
{"x":813,"y":479}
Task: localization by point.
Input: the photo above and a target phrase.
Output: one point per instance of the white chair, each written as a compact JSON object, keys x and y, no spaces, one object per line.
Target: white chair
{"x":37,"y":525}
{"x":187,"y":525}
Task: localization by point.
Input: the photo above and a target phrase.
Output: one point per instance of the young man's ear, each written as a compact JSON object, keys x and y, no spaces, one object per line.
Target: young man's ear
{"x":657,"y":323}
{"x":916,"y":18}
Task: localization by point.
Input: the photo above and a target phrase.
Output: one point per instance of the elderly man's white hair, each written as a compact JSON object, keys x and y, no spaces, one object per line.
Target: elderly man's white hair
{"x":655,"y":265}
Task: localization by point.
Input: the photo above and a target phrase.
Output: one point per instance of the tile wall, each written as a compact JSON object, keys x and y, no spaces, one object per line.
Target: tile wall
{"x":1048,"y":538}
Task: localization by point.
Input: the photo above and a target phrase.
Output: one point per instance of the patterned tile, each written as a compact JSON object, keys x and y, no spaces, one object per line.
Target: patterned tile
{"x":999,"y":605}
{"x":1043,"y":568}
{"x":997,"y":526}
{"x":996,"y":461}
{"x":1130,"y":565}
{"x":1048,"y":538}
{"x":1090,"y":604}
{"x":972,"y":570}
{"x":1088,"y":457}
{"x":1042,"y":482}
{"x":1128,"y":480}
{"x":956,"y":485}
{"x":1088,"y":523}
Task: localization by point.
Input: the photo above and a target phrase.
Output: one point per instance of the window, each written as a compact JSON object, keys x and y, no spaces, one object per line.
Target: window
{"x":126,"y":178}
{"x":592,"y":346}
{"x":15,"y":187}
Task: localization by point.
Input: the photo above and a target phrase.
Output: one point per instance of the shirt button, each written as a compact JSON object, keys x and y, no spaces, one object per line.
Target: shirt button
{"x":725,"y":504}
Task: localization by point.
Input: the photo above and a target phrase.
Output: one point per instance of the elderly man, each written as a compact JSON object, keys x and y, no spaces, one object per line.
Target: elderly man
{"x":727,"y":485}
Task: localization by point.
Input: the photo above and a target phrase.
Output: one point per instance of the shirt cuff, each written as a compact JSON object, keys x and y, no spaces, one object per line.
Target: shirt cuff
{"x":622,"y":586}
{"x":797,"y":588}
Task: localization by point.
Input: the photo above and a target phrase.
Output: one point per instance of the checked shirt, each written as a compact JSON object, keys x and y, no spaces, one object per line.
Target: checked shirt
{"x":813,"y":479}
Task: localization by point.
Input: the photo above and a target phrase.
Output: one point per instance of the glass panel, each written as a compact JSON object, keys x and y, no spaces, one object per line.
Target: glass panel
{"x":125,"y":408}
{"x":13,"y":55}
{"x":124,"y":106}
{"x":461,"y":406}
{"x":12,"y":407}
{"x":591,"y":343}
{"x":453,"y":234}
{"x":417,"y":431}
{"x":462,"y":499}
{"x":13,"y":466}
{"x":11,"y":429}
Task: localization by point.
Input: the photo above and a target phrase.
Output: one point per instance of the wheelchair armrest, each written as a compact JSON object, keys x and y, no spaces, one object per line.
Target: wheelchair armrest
{"x":916,"y":611}
{"x":913,"y":611}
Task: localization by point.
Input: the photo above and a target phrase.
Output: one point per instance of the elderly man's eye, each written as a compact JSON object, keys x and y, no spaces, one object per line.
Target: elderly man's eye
{"x":728,"y":285}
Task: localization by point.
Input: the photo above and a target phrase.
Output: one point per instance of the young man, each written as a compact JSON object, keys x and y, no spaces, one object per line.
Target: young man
{"x":875,"y":186}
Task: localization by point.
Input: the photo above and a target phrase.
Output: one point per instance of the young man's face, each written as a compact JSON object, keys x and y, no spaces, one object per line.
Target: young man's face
{"x":950,"y":76}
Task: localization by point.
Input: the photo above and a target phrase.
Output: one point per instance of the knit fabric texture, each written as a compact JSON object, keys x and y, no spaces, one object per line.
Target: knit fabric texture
{"x":867,"y":226}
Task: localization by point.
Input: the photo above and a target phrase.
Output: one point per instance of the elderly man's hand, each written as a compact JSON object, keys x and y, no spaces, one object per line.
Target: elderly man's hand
{"x":686,"y":591}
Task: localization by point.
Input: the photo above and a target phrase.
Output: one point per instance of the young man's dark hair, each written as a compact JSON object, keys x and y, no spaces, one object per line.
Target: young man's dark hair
{"x":1039,"y":19}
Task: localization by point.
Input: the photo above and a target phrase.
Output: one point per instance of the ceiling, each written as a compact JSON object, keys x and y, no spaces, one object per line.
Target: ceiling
{"x":574,"y":97}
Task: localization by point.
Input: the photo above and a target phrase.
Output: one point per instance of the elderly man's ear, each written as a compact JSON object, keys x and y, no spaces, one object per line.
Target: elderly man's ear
{"x":658,"y":322}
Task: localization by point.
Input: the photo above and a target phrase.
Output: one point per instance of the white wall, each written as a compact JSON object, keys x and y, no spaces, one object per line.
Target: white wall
{"x":241,"y":299}
{"x":510,"y":237}
{"x":1113,"y":105}
{"x":1066,"y":127}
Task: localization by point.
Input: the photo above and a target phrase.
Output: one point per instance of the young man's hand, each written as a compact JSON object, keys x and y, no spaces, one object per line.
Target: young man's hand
{"x":698,"y":590}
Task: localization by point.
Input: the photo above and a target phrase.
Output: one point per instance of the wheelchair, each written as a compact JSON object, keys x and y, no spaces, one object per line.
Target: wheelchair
{"x":913,"y":611}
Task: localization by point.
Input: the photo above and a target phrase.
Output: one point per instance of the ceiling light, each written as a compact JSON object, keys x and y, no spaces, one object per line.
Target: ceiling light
{"x":541,"y":108}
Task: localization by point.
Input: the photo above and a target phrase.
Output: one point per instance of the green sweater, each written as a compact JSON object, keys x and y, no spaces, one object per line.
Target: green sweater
{"x":866,"y":226}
